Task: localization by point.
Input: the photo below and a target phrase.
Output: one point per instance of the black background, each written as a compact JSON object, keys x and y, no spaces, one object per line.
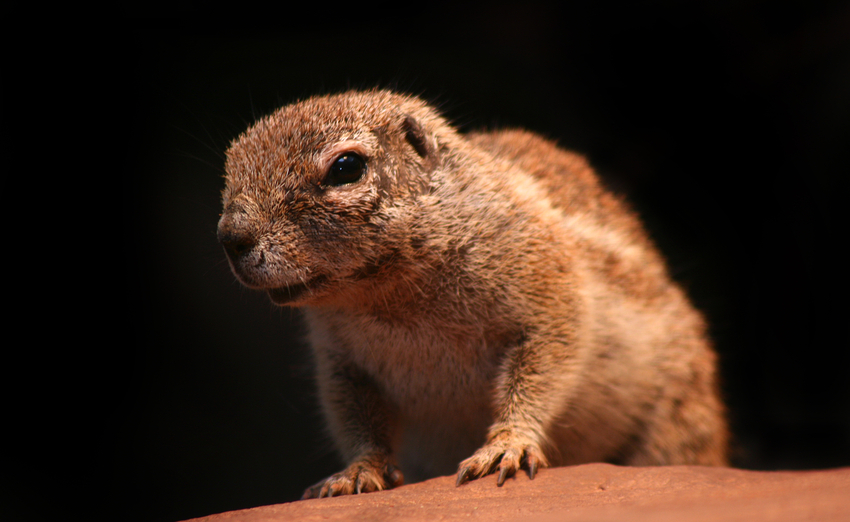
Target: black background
{"x":724,"y":123}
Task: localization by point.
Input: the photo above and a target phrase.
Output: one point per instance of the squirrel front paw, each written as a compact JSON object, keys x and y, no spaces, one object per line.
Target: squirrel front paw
{"x":364,"y":476}
{"x":507,"y":452}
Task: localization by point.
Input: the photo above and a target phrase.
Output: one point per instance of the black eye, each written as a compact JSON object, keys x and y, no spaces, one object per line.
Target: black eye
{"x":347,"y":168}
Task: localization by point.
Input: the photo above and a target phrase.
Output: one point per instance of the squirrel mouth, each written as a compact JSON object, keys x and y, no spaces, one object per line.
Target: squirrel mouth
{"x":285,"y":295}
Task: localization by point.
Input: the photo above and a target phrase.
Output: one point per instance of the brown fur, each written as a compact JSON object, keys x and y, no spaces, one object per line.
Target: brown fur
{"x":474,"y":297}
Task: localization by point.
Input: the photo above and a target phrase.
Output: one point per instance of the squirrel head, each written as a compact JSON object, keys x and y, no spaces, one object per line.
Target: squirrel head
{"x":321,"y":194}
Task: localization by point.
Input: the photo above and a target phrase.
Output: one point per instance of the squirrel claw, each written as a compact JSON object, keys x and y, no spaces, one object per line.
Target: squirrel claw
{"x":361,"y":477}
{"x":505,"y":455}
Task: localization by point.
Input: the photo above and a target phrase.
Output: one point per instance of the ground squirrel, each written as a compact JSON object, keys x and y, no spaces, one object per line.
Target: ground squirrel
{"x":475,"y":303}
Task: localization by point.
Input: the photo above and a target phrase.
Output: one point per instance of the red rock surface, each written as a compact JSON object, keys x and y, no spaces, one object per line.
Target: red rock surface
{"x":592,"y":492}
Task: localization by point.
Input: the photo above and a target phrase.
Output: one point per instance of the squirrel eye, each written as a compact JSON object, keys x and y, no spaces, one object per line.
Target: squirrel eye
{"x":347,"y":168}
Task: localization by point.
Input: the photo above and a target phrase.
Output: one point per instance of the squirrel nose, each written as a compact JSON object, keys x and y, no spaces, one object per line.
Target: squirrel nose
{"x":235,"y":234}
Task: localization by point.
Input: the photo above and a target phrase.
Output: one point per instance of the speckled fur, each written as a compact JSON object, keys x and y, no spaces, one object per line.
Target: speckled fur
{"x":474,"y":297}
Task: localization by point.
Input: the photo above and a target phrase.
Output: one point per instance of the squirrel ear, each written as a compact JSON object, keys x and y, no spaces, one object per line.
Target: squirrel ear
{"x":415,"y":136}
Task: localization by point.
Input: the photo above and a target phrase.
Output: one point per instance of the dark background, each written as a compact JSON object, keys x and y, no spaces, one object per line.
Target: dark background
{"x":724,"y":123}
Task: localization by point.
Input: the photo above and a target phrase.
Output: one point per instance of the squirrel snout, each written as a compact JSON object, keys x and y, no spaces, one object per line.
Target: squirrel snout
{"x":235,"y":234}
